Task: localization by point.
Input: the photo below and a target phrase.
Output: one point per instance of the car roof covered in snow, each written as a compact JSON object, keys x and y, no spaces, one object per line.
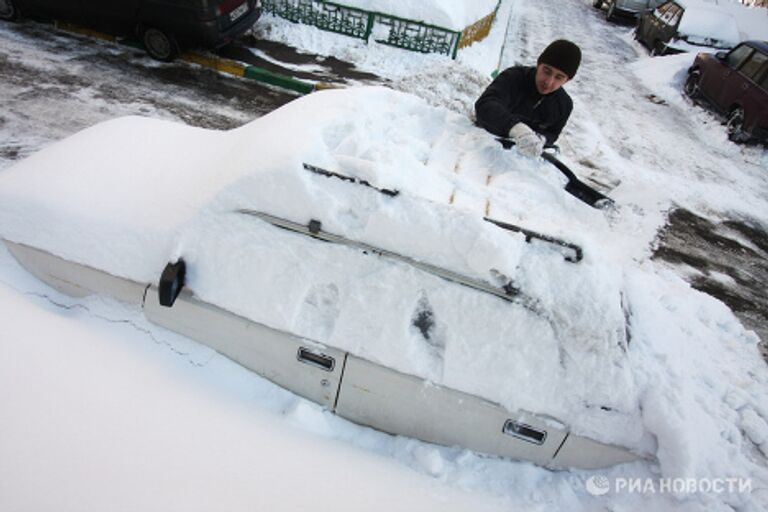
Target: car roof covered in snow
{"x":705,"y":21}
{"x":724,"y":20}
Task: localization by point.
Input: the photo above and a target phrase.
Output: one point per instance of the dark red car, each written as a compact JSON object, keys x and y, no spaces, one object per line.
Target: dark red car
{"x":736,"y":84}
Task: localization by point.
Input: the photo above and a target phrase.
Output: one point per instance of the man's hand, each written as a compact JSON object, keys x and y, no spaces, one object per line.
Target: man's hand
{"x":528,"y":143}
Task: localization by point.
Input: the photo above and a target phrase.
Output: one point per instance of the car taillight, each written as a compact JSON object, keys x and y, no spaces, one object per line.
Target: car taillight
{"x":228,"y":6}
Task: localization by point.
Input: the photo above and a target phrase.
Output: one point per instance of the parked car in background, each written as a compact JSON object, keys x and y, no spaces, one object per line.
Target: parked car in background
{"x":687,"y":25}
{"x":628,"y":8}
{"x":163,"y":26}
{"x":736,"y":84}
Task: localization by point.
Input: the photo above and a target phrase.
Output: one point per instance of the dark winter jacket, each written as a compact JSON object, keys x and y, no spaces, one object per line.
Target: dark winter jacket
{"x":512,"y":97}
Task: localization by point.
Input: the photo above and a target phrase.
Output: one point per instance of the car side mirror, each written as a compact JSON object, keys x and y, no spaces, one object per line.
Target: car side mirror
{"x":721,"y":55}
{"x":171,"y":282}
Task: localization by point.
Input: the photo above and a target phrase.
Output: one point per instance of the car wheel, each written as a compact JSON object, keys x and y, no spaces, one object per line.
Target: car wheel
{"x":735,"y":125}
{"x":159,"y":44}
{"x":597,"y":3}
{"x":611,"y":14}
{"x":8,"y":10}
{"x":692,"y":87}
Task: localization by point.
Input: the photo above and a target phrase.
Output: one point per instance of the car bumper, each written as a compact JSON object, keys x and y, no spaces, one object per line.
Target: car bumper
{"x":216,"y":33}
{"x":238,"y":28}
{"x":634,"y":9}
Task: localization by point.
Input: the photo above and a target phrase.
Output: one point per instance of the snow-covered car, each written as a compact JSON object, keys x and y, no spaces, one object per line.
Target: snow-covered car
{"x":162,"y":26}
{"x":384,"y":258}
{"x":680,"y":26}
{"x":735,"y":83}
{"x":629,"y":8}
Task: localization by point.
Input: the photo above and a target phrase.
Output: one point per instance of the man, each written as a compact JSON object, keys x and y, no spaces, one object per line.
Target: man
{"x":529,"y":104}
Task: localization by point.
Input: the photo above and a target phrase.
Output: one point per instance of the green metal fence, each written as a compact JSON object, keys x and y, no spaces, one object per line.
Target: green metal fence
{"x":416,"y":36}
{"x":324,"y":15}
{"x":362,"y":24}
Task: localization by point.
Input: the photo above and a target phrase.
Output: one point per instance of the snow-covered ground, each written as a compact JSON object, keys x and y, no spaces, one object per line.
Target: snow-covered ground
{"x":102,"y":410}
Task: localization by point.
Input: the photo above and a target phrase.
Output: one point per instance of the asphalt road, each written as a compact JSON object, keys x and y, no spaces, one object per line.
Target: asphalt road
{"x":731,"y":260}
{"x":54,"y":83}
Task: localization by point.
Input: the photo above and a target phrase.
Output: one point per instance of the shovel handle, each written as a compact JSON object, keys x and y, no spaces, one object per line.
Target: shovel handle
{"x":575,"y":186}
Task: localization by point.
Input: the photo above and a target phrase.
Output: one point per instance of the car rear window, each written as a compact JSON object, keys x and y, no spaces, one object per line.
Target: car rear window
{"x":662,"y":9}
{"x":754,"y":65}
{"x":672,"y":15}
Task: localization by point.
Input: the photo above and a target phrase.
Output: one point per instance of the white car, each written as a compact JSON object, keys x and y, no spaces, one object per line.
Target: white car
{"x":679,"y":26}
{"x":381,"y":257}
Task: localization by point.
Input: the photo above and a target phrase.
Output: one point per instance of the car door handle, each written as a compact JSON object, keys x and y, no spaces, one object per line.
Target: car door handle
{"x":744,"y":87}
{"x":524,"y":432}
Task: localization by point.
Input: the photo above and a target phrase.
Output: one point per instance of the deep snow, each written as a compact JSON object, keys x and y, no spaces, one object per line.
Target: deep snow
{"x":700,"y":383}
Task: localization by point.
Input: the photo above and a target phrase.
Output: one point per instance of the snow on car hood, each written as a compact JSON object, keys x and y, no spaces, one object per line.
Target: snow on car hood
{"x":131,"y":194}
{"x":710,"y":27}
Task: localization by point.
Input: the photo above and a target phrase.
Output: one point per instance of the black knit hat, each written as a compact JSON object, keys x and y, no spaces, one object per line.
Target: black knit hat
{"x":563,"y":55}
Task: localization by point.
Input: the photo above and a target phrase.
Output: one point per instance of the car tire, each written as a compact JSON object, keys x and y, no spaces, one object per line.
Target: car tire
{"x":159,"y":44}
{"x":598,"y":4}
{"x":692,"y":86}
{"x":734,"y":124}
{"x":8,"y":10}
{"x":610,"y":15}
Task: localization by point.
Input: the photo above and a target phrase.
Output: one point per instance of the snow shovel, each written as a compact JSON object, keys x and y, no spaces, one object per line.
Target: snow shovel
{"x":575,"y":186}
